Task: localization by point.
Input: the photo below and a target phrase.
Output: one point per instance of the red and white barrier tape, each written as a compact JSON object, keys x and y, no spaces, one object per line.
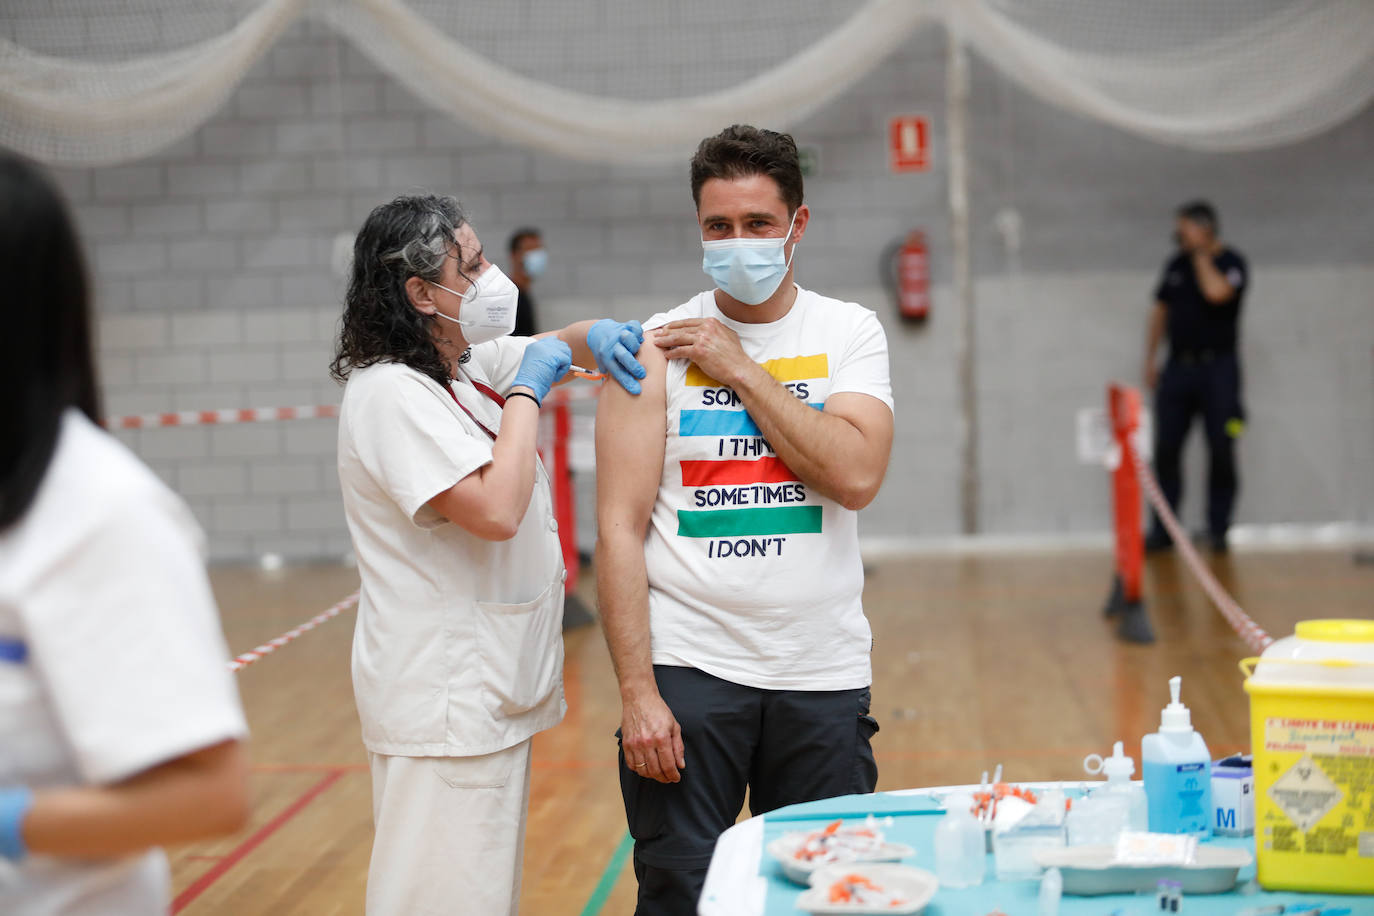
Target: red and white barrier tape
{"x":1252,"y":633}
{"x":230,"y":416}
{"x":221,"y":417}
{"x":243,"y":661}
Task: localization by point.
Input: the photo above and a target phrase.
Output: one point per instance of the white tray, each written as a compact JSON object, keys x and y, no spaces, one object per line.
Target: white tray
{"x":1090,"y":870}
{"x":917,"y":885}
{"x":785,"y":846}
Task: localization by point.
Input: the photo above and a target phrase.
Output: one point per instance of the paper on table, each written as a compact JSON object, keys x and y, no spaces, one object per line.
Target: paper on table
{"x":1134,"y":847}
{"x":748,"y":890}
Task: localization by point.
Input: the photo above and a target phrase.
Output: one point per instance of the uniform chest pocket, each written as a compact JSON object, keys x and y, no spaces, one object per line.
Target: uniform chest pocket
{"x":521,"y":647}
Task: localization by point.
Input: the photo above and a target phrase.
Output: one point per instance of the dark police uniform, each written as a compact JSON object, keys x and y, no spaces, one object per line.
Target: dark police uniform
{"x":524,"y":316}
{"x":1202,"y":376}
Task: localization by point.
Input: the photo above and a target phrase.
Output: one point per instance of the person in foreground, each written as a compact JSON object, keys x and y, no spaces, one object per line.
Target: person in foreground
{"x":120,"y":725}
{"x":728,"y":567}
{"x":458,"y":651}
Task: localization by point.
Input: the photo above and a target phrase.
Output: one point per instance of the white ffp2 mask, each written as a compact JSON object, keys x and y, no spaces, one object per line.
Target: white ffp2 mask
{"x":487,"y":310}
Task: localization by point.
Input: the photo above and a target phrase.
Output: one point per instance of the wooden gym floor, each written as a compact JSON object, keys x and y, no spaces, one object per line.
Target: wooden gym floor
{"x":978,"y":661}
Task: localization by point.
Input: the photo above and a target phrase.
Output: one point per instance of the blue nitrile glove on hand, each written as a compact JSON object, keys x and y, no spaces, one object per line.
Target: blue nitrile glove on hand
{"x":615,"y":344}
{"x":546,"y":361}
{"x":14,"y":806}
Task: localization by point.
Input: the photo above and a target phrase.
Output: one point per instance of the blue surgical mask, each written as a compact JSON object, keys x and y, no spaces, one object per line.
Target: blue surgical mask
{"x":747,"y":270}
{"x":534,"y":261}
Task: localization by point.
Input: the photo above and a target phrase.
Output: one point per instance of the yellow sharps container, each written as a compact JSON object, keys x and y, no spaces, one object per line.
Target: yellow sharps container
{"x":1312,"y":728}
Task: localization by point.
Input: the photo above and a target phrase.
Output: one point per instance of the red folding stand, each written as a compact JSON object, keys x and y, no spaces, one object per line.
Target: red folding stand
{"x":575,"y":614}
{"x":1127,"y":596}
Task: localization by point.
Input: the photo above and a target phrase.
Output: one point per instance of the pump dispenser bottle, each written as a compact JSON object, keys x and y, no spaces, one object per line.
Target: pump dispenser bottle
{"x":1178,"y":772}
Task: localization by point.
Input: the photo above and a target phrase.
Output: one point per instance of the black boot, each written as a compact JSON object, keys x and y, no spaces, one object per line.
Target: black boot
{"x":1158,"y":540}
{"x":1135,"y":625}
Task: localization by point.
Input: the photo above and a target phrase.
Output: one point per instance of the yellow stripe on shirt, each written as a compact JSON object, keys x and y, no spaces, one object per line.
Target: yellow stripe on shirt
{"x":784,"y":369}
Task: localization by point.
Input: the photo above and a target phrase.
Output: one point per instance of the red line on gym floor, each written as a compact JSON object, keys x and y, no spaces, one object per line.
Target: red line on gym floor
{"x":202,"y":884}
{"x":309,"y":767}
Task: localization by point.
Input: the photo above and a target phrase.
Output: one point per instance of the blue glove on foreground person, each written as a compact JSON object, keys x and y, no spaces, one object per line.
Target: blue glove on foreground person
{"x":615,"y":344}
{"x":14,"y":804}
{"x":546,"y":361}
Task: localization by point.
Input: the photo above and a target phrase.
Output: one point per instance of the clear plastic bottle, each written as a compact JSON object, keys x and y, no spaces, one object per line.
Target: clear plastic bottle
{"x":1051,"y":892}
{"x":1119,"y":769}
{"x":960,"y":846}
{"x":1178,"y":772}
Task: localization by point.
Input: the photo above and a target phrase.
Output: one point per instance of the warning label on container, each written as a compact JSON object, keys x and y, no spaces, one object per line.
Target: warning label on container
{"x":1322,"y":773}
{"x":1305,"y":794}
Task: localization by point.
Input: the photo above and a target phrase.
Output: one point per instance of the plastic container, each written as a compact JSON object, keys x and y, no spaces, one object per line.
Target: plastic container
{"x":1178,"y":772}
{"x":1119,"y":769}
{"x":1051,"y":892}
{"x":1312,"y":731}
{"x":960,"y":852}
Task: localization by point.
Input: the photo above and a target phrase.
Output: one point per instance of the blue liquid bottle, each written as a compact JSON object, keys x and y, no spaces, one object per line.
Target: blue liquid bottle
{"x":1177,"y":772}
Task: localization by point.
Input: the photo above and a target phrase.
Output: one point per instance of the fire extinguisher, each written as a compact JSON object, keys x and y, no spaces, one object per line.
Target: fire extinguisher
{"x":907,"y":272}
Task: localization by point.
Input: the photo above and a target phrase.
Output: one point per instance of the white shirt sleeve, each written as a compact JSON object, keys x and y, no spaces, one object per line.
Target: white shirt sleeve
{"x":864,"y":368}
{"x":125,"y":633}
{"x":500,"y":360}
{"x":410,"y":442}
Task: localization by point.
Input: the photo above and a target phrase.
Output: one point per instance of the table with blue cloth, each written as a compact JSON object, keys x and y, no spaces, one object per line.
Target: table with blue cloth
{"x":745,"y":881}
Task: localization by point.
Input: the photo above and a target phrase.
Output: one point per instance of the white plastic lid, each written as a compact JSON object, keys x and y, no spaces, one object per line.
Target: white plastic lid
{"x":1320,"y":653}
{"x":1117,"y":766}
{"x":1175,"y":717}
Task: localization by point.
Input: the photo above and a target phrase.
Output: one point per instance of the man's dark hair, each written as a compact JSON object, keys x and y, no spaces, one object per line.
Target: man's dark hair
{"x":519,"y":235}
{"x":46,"y":363}
{"x":740,"y":151}
{"x":409,"y":237}
{"x":1200,"y":212}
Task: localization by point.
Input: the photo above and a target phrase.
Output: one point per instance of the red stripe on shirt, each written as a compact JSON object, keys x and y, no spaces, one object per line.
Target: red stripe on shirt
{"x":724,"y":473}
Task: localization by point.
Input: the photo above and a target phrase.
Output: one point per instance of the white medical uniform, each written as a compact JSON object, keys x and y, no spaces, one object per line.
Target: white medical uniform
{"x":114,"y":661}
{"x":458,"y":651}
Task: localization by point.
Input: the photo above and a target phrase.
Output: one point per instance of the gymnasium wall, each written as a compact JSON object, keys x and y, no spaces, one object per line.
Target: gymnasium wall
{"x":213,"y":274}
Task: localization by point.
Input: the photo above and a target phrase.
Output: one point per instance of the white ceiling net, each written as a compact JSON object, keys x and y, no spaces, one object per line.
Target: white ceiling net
{"x":89,"y":82}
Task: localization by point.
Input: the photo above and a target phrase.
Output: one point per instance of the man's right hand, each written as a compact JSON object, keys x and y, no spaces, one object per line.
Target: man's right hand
{"x":651,"y":738}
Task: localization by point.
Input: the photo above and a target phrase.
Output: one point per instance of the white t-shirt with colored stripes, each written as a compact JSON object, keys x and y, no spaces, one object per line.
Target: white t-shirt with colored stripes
{"x":754,"y":577}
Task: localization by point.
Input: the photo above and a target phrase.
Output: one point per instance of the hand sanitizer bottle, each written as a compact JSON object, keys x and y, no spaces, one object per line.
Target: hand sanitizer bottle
{"x":960,"y":848}
{"x":1178,"y":772}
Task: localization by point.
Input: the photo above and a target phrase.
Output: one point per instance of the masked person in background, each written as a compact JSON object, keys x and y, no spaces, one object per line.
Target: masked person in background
{"x":528,"y":258}
{"x":1197,"y":306}
{"x":728,"y":567}
{"x":120,"y":726}
{"x":458,"y":651}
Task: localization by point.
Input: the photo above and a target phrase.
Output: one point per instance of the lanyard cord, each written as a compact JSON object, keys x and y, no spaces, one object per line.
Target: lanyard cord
{"x":490,"y":394}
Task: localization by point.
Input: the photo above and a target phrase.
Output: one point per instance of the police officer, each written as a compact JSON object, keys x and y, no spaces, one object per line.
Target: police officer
{"x":1198,"y":302}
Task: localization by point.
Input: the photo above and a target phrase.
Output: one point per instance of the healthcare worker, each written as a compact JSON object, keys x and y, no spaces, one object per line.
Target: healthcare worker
{"x":120,"y":725}
{"x":458,"y":652}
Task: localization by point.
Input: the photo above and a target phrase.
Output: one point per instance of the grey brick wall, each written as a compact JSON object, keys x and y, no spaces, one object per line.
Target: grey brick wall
{"x":214,"y":287}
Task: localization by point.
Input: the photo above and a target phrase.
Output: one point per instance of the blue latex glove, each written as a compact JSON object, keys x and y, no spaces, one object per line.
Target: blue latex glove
{"x":546,"y":361}
{"x":14,"y":805}
{"x":615,"y":344}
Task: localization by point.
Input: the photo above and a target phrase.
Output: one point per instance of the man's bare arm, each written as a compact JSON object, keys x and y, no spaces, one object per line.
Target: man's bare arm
{"x":630,"y":442}
{"x":1216,"y":289}
{"x":842,"y":452}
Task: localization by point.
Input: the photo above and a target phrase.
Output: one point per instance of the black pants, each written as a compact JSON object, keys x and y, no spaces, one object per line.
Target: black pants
{"x":1208,"y":385}
{"x":784,"y":746}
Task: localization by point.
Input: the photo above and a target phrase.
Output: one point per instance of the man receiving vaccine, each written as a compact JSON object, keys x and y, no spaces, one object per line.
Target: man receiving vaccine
{"x":728,"y":567}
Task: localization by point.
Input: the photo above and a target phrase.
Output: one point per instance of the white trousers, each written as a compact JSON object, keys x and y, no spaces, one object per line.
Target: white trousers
{"x":450,"y":834}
